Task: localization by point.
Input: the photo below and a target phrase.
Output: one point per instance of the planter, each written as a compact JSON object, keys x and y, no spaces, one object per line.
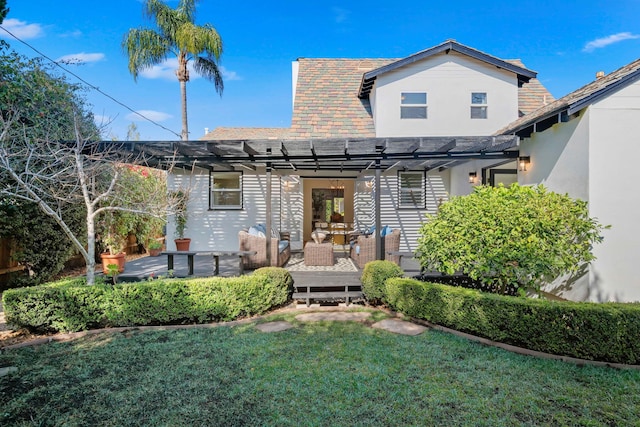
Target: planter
{"x":154,"y":252}
{"x":182,"y":244}
{"x":117,"y":259}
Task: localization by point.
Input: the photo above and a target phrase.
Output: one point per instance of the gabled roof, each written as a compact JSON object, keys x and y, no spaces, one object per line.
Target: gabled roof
{"x":562,"y":108}
{"x":327,"y":106}
{"x":227,"y":133}
{"x":368,"y":79}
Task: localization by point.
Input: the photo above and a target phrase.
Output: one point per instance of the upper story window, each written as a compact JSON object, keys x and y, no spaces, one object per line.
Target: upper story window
{"x":478,"y":105}
{"x":226,"y":190}
{"x":411,"y":189}
{"x":413,"y":105}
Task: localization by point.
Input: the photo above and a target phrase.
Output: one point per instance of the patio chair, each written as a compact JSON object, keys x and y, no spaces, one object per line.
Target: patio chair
{"x":280,"y":250}
{"x":363,"y":248}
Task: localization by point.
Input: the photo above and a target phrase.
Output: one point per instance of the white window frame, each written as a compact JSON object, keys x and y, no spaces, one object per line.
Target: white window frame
{"x":405,"y":105}
{"x":213,"y":190}
{"x":479,"y":106}
{"x":414,"y":193}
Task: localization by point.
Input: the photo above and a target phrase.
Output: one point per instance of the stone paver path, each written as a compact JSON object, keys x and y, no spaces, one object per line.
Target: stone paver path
{"x":274,"y":326}
{"x":396,"y":326}
{"x":399,"y":327}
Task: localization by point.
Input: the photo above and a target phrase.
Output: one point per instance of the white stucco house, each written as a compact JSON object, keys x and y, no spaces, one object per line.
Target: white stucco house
{"x":450,"y":90}
{"x":410,"y":132}
{"x":586,"y":144}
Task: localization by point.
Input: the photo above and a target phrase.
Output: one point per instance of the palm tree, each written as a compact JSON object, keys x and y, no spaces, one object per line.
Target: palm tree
{"x":178,"y":35}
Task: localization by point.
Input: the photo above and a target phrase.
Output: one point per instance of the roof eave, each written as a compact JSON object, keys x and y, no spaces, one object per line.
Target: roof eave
{"x":368,"y":78}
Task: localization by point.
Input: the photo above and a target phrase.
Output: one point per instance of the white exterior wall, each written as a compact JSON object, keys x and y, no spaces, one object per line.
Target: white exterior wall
{"x":594,"y":158}
{"x":408,"y":220}
{"x":449,"y":81}
{"x":218,"y":229}
{"x":613,"y":194}
{"x":559,"y":158}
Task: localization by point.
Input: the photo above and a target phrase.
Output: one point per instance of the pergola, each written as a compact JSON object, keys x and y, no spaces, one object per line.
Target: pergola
{"x":349,"y":155}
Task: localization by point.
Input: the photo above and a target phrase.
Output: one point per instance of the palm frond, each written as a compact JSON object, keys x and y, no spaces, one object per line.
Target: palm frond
{"x":144,"y":48}
{"x":168,"y":20}
{"x":197,"y":40}
{"x":208,"y":68}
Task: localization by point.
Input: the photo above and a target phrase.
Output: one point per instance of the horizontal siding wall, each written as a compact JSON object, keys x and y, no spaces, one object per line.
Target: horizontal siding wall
{"x":408,"y":220}
{"x":218,"y":229}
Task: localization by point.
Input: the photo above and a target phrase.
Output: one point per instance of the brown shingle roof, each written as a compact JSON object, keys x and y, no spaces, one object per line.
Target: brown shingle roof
{"x":578,"y":99}
{"x":531,"y":95}
{"x":225,"y":133}
{"x":327,"y":103}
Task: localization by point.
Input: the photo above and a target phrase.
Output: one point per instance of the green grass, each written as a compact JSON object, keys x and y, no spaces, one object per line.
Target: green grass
{"x":327,"y":373}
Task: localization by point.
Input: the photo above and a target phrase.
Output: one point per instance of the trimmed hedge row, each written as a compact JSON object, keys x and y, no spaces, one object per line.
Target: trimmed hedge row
{"x":71,"y":305}
{"x":373,"y":279}
{"x":595,"y":331}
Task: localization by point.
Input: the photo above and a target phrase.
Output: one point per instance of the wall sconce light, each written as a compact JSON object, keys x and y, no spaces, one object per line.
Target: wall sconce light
{"x":472,"y":177}
{"x":523,"y":162}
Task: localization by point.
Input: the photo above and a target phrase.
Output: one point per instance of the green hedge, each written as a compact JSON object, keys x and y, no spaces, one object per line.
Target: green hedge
{"x":595,"y":331}
{"x":72,"y":305}
{"x":373,"y":279}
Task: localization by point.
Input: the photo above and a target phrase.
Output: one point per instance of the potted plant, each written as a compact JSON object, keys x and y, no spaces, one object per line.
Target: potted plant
{"x":114,"y":228}
{"x":154,"y":248}
{"x":181,"y":198}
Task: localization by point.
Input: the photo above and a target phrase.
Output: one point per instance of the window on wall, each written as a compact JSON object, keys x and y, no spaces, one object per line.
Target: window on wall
{"x":478,"y":105}
{"x":411,"y":189}
{"x":226,"y":190}
{"x":413,"y":105}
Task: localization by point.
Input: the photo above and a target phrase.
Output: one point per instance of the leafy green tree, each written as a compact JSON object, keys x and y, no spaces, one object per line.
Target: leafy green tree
{"x":51,"y":155}
{"x":3,"y":10}
{"x":509,"y":236}
{"x":42,"y":247}
{"x":176,"y":34}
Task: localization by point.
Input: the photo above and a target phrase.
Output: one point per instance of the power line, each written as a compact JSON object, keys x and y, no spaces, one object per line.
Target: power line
{"x":96,"y":88}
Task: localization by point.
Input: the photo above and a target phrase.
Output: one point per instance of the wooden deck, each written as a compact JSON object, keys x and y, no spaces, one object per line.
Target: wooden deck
{"x":327,"y":286}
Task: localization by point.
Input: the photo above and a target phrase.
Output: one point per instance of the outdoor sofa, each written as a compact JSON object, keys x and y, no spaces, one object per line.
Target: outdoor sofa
{"x":254,"y":239}
{"x":363,"y":248}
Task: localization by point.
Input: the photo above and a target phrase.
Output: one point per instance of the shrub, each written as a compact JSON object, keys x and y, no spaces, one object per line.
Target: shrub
{"x":515,"y":236}
{"x":68,"y":305}
{"x":42,"y":246}
{"x":595,"y":331}
{"x":73,"y":306}
{"x":374,"y":276}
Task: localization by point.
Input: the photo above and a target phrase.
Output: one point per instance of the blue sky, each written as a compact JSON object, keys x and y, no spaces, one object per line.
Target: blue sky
{"x":565,"y":42}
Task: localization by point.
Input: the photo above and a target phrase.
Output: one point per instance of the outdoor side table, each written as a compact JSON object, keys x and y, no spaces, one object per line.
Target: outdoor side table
{"x":318,"y":253}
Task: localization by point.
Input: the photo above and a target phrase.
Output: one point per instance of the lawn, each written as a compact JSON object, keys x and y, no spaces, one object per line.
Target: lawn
{"x":327,"y":373}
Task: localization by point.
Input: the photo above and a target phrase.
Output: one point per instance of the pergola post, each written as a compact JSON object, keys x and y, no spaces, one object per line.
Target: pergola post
{"x":268,"y":201}
{"x":378,"y":233}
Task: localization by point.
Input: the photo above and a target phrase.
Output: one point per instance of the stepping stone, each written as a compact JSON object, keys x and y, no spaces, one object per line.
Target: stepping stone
{"x":333,"y":316}
{"x":399,"y":327}
{"x":7,"y":370}
{"x":274,"y":326}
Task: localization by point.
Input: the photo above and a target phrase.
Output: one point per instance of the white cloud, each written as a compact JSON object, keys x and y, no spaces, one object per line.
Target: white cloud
{"x":606,"y":41}
{"x":102,"y":120}
{"x":167,"y":71}
{"x":156,"y":116}
{"x":21,"y":29}
{"x":228,"y":75}
{"x":341,"y":15}
{"x":81,"y":58}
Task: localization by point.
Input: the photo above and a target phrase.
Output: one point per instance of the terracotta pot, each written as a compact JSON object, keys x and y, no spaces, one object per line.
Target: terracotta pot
{"x":154,"y":252}
{"x":182,"y":244}
{"x":117,"y":259}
